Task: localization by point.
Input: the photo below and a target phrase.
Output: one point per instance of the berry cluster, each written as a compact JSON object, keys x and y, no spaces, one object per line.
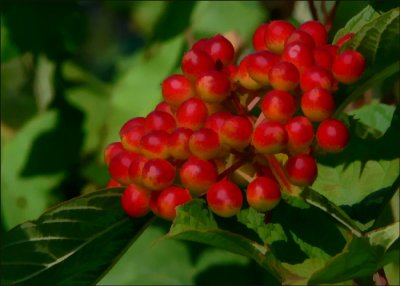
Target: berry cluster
{"x":219,"y":122}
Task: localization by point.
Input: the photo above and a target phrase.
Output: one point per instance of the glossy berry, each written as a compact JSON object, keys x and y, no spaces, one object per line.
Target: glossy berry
{"x":135,"y":201}
{"x":278,"y":105}
{"x":323,"y":57}
{"x":301,"y":170}
{"x":316,"y":30}
{"x":299,"y":54}
{"x":198,"y":175}
{"x":236,"y":132}
{"x":192,"y":114}
{"x":259,"y":37}
{"x":155,"y":144}
{"x":169,"y":199}
{"x":119,"y":166}
{"x":216,"y":120}
{"x":159,"y":120}
{"x":176,"y":89}
{"x":225,"y":198}
{"x":284,"y":76}
{"x":301,"y":37}
{"x":196,"y":62}
{"x":263,"y":194}
{"x":136,"y":121}
{"x":164,"y":107}
{"x":220,"y":49}
{"x":243,"y":76}
{"x":332,"y":135}
{"x":259,"y":64}
{"x":276,"y":35}
{"x":136,"y":169}
{"x":131,"y":138}
{"x":269,"y":138}
{"x":316,"y":76}
{"x":300,"y":134}
{"x":205,"y":144}
{"x":158,"y":174}
{"x":111,"y":151}
{"x":213,"y":86}
{"x":348,"y":66}
{"x":178,"y":143}
{"x":317,"y":104}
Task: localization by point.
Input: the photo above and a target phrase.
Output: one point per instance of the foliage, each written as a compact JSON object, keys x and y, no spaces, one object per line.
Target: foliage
{"x":75,"y":90}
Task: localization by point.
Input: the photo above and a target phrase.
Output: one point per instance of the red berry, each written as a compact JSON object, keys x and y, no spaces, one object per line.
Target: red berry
{"x":198,"y":175}
{"x":316,"y":30}
{"x":323,"y":57}
{"x":236,"y":132}
{"x":164,"y":107}
{"x":317,"y":104}
{"x":155,"y":144}
{"x":170,"y":198}
{"x":220,"y":49}
{"x":119,"y":166}
{"x":243,"y":76}
{"x":348,"y":66}
{"x":284,"y":76}
{"x":276,"y":34}
{"x":300,"y":134}
{"x":158,"y":174}
{"x":301,"y":55}
{"x":159,"y":120}
{"x":192,"y":114}
{"x":176,"y":89}
{"x":332,"y":135}
{"x":130,"y":138}
{"x":263,"y":194}
{"x":316,"y":76}
{"x":301,"y":170}
{"x":136,"y":121}
{"x":113,"y":184}
{"x":136,"y":169}
{"x":269,"y":138}
{"x":200,"y":45}
{"x":340,"y":42}
{"x":136,"y":201}
{"x":111,"y":151}
{"x":213,"y":86}
{"x":278,"y":105}
{"x":225,"y":198}
{"x":178,"y":143}
{"x":204,"y":143}
{"x":216,"y":120}
{"x":259,"y":64}
{"x":300,"y":37}
{"x":259,"y":38}
{"x":196,"y":62}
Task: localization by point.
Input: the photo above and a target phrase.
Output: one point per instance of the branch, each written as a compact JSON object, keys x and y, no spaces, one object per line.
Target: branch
{"x":313,"y":10}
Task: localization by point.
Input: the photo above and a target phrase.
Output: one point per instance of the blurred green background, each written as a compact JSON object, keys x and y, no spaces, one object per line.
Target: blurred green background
{"x":73,"y":72}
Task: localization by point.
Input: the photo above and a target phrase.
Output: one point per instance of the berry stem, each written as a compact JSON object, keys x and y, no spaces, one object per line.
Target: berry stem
{"x":253,"y":103}
{"x":242,"y":160}
{"x":279,"y":174}
{"x":313,"y":10}
{"x":236,"y":103}
{"x":329,"y":19}
{"x":380,"y":278}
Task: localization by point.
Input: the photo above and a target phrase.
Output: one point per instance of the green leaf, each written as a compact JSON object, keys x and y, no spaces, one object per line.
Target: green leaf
{"x":72,"y":243}
{"x":361,"y":257}
{"x":240,"y":16}
{"x":195,"y":222}
{"x":356,"y":23}
{"x":375,"y":39}
{"x":376,"y":116}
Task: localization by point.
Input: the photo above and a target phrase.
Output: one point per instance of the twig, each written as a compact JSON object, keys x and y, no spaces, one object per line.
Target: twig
{"x":313,"y":10}
{"x":331,"y":16}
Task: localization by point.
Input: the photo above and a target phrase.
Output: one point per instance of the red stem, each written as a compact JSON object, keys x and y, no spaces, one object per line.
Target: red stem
{"x":380,"y":278}
{"x":233,"y":168}
{"x":280,"y":175}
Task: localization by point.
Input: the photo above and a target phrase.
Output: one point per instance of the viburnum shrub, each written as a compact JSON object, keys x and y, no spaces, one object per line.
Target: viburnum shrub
{"x":227,"y":110}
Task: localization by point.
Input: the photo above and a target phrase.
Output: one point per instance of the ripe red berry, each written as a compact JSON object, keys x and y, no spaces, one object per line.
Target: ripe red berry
{"x":299,"y":54}
{"x":136,"y":169}
{"x":168,"y":199}
{"x":302,"y":37}
{"x":348,"y":66}
{"x":136,"y":201}
{"x":158,"y":174}
{"x":220,"y":49}
{"x":204,"y":143}
{"x":192,"y":114}
{"x":225,"y":198}
{"x":136,"y":121}
{"x":259,"y":37}
{"x":276,"y":35}
{"x":216,"y":120}
{"x":176,"y":89}
{"x":323,"y":57}
{"x":263,"y":194}
{"x":155,"y":144}
{"x":316,"y":30}
{"x":111,"y":151}
{"x":269,"y":137}
{"x":164,"y":107}
{"x":196,"y":62}
{"x":198,"y":175}
{"x":278,"y":105}
{"x":301,"y":170}
{"x":213,"y":86}
{"x":243,"y":76}
{"x":259,"y":64}
{"x":178,"y":143}
{"x":236,"y":132}
{"x":300,"y":134}
{"x":284,"y":76}
{"x":113,"y":184}
{"x":200,"y":44}
{"x":316,"y":76}
{"x":131,"y":137}
{"x":159,"y":120}
{"x":317,"y":104}
{"x":332,"y":135}
{"x":119,"y":166}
